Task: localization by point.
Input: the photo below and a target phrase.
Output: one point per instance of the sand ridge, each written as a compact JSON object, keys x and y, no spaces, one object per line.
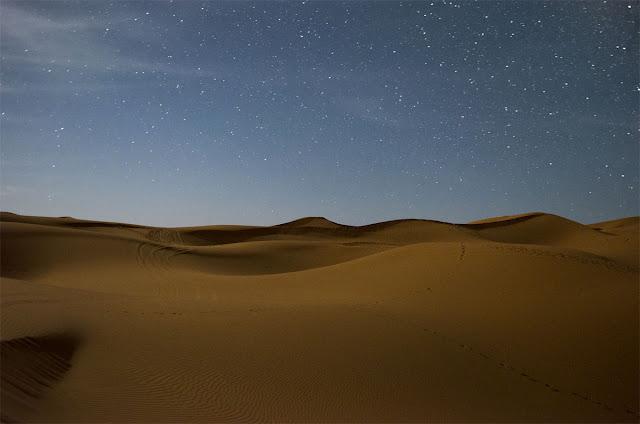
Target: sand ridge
{"x":530,"y":317}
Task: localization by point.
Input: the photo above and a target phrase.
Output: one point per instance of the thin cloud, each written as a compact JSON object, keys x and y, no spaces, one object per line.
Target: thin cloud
{"x":31,"y":42}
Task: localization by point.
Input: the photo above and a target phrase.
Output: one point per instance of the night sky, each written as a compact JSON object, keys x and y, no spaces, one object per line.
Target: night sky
{"x":190,"y":113}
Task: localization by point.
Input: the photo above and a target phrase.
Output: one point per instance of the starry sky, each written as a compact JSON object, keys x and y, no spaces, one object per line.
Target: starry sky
{"x":192,"y":113}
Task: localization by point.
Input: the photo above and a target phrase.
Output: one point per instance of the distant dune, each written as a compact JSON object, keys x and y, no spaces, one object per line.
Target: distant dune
{"x":529,"y":317}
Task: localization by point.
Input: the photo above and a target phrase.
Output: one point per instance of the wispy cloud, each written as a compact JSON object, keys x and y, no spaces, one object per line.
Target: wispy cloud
{"x":66,"y":87}
{"x":81,"y":43}
{"x":9,"y":190}
{"x":44,"y":41}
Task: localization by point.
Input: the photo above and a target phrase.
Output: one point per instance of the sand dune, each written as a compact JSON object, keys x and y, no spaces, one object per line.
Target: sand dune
{"x":522,"y":318}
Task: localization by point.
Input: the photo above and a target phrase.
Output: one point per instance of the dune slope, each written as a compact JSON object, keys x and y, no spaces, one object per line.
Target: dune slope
{"x":525,"y":318}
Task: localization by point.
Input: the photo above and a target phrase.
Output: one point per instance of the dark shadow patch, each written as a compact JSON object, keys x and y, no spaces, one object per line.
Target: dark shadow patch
{"x":29,"y":368}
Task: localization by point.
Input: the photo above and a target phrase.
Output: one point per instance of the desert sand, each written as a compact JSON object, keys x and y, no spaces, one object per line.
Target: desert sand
{"x":527,"y":318}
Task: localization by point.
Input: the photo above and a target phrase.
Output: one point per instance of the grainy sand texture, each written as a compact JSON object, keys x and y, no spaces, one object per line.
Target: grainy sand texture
{"x":528,"y":318}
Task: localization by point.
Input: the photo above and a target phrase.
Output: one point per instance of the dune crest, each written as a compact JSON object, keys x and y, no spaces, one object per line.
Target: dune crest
{"x":312,"y":221}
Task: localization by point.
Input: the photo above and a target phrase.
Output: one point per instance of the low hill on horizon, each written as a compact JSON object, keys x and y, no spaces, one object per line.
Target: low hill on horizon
{"x":307,"y":221}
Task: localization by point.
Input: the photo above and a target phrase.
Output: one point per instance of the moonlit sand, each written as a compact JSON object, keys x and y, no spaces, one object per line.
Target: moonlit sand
{"x":522,"y":318}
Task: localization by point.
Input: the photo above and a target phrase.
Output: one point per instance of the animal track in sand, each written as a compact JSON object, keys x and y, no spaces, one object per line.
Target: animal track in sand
{"x":526,"y":375}
{"x":462,"y":251}
{"x":165,"y":236}
{"x":583,"y":257}
{"x":502,"y":363}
